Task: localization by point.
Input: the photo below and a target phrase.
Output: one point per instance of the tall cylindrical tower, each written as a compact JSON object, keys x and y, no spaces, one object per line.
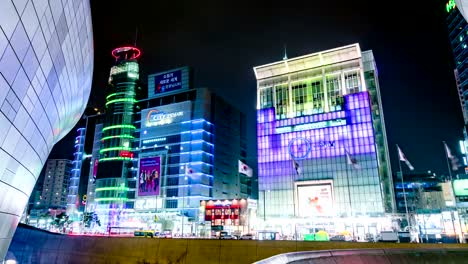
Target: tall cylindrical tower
{"x":115,"y":154}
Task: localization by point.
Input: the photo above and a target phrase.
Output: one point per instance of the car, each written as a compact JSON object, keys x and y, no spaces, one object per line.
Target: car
{"x":338,"y":238}
{"x":247,"y":237}
{"x":166,"y":234}
{"x":227,"y":237}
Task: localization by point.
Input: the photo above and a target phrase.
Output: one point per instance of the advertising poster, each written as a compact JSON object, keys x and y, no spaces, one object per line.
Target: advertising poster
{"x":148,"y":176}
{"x":315,"y":200}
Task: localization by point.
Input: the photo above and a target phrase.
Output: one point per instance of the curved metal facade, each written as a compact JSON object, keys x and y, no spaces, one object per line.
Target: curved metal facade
{"x":46,"y":67}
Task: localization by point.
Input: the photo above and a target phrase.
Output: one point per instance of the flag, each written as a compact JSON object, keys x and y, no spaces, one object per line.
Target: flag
{"x":243,"y":168}
{"x":402,"y":157}
{"x":351,"y":161}
{"x":188,"y":170}
{"x":454,"y":160}
{"x":296,"y":166}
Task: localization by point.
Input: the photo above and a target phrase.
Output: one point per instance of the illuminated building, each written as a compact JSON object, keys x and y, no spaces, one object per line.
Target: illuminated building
{"x":78,"y":156}
{"x":94,"y":161}
{"x":311,"y":110}
{"x":458,"y":37}
{"x":46,"y":67}
{"x":461,"y":5}
{"x":114,"y":177}
{"x":423,"y":192}
{"x":190,"y":142}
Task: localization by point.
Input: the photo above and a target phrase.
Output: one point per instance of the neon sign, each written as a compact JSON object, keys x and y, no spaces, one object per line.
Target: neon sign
{"x":316,"y":125}
{"x":299,"y":148}
{"x":450,"y":5}
{"x":156,"y":117}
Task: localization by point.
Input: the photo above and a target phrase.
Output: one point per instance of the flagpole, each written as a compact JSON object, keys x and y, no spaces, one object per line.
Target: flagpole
{"x":294,"y":199}
{"x":448,"y":164}
{"x":404,"y":192}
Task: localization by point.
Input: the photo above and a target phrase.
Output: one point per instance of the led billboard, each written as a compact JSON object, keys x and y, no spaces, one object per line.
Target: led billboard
{"x":167,"y":82}
{"x":315,"y":199}
{"x":225,"y":212}
{"x":149,"y":175}
{"x":460,"y":187}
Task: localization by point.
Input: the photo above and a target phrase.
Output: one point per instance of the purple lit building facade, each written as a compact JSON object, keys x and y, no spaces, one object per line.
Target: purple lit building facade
{"x":311,"y":110}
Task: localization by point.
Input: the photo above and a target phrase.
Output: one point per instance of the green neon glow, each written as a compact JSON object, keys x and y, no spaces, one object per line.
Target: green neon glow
{"x":118,"y":136}
{"x":126,"y":94}
{"x":120,"y":188}
{"x":118,"y":126}
{"x":133,"y":100}
{"x":110,"y":95}
{"x":114,"y":148}
{"x":111,"y":199}
{"x":450,"y":5}
{"x":115,"y":158}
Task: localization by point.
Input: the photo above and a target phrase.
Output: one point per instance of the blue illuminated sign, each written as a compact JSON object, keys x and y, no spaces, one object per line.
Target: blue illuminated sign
{"x":168,"y":82}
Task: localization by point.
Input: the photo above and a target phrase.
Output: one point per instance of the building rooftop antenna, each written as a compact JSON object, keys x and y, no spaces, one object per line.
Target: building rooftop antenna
{"x":285,"y":57}
{"x":136,"y":36}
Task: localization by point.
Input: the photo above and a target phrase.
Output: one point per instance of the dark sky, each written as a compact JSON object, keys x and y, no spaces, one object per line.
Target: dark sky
{"x":223,"y":40}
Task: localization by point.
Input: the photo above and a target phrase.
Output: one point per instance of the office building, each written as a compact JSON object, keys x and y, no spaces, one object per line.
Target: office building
{"x":189,"y":145}
{"x":46,"y":67}
{"x":458,"y":37}
{"x":322,"y":148}
{"x":423,"y":192}
{"x":73,"y":198}
{"x":55,"y":187}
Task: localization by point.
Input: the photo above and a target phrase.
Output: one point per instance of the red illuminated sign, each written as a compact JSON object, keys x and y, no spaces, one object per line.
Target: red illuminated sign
{"x":126,"y":154}
{"x":225,"y":212}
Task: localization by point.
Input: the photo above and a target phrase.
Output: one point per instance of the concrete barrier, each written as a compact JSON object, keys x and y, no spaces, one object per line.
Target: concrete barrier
{"x":365,"y":256}
{"x":32,"y":245}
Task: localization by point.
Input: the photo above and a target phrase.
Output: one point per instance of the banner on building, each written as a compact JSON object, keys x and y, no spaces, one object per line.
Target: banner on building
{"x":315,"y":199}
{"x":148,"y":176}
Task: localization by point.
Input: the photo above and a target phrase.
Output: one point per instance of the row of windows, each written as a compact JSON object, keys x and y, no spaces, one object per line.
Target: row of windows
{"x":308,"y":96}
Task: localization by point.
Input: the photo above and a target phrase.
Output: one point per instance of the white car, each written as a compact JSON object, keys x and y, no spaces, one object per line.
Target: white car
{"x":247,"y":237}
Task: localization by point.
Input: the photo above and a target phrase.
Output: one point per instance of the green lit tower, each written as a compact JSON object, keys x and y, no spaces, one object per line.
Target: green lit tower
{"x":114,"y":180}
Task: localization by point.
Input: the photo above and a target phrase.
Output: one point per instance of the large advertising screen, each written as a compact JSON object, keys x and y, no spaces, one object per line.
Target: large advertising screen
{"x":315,"y":200}
{"x":317,"y":136}
{"x":460,"y":187}
{"x":225,"y":212}
{"x":168,"y":82}
{"x":148,"y":176}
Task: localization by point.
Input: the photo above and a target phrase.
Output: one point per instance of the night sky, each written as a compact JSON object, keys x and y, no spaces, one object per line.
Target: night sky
{"x":223,"y":40}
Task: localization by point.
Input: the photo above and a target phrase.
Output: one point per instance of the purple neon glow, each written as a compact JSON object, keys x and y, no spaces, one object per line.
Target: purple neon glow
{"x":356,"y":136}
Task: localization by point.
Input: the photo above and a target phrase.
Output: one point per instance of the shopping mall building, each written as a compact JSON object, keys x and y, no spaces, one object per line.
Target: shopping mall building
{"x":184,"y":147}
{"x":312,"y":111}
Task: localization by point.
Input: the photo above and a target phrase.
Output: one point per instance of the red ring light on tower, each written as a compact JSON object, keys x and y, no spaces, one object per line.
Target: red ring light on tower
{"x":135,"y":53}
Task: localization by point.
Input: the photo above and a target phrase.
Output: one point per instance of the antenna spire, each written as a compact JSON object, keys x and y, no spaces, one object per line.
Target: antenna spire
{"x":285,"y":57}
{"x":136,"y":36}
